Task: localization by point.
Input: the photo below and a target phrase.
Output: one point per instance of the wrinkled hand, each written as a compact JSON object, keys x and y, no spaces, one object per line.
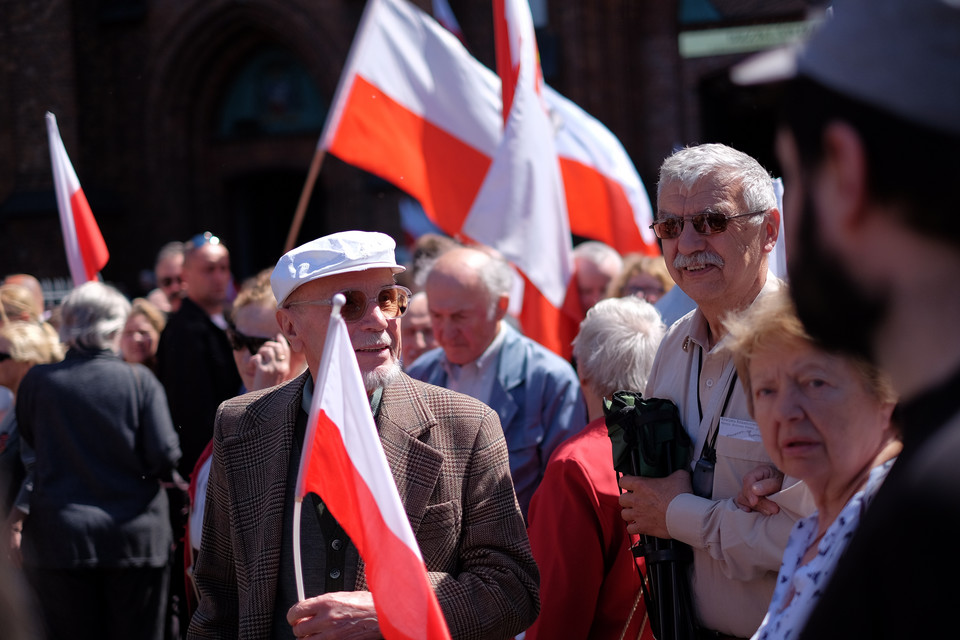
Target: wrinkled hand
{"x":273,"y":363}
{"x":759,"y":482}
{"x":646,"y":501}
{"x":344,"y":614}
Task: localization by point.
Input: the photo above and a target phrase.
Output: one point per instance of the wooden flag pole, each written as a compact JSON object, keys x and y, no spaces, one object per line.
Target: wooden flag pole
{"x":315,"y":165}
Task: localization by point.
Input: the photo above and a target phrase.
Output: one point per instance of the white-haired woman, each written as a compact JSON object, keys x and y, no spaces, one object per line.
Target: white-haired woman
{"x":96,"y":541}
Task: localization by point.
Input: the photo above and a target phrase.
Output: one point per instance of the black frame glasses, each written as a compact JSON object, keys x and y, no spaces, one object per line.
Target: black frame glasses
{"x":706,"y":223}
{"x":240,"y":341}
{"x":391,"y":299}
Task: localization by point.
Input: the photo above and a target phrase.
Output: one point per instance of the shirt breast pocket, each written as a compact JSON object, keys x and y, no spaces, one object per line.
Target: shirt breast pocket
{"x":735,"y":457}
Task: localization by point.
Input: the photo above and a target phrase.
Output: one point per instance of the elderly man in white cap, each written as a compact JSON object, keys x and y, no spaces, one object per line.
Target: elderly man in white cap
{"x":446,"y":451}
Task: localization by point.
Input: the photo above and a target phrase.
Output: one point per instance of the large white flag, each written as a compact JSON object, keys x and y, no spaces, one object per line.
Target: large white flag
{"x":343,"y":463}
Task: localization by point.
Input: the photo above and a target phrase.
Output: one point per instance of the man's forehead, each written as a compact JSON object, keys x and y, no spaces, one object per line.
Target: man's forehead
{"x":708,"y":194}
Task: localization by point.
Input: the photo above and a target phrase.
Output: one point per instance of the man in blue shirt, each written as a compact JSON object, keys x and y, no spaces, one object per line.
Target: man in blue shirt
{"x":535,"y":392}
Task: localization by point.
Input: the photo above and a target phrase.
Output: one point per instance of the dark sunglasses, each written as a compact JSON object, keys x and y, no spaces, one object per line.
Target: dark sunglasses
{"x":705,"y":224}
{"x":239,"y":341}
{"x":5,"y":356}
{"x":392,"y":300}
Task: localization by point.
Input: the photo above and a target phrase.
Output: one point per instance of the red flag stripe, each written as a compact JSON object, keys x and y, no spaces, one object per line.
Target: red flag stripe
{"x":588,"y":190}
{"x":92,"y":247}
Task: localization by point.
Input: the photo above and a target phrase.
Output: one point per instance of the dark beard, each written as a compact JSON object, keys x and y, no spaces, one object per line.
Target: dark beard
{"x":833,"y":308}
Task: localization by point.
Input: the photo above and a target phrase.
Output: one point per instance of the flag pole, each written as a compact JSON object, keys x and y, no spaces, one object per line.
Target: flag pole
{"x":312,"y":174}
{"x":338,"y":301}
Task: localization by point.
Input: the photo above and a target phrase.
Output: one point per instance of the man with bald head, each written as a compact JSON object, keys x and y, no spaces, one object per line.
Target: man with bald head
{"x":535,"y":392}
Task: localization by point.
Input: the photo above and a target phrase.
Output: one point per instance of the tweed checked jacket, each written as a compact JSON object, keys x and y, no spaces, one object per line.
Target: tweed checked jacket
{"x":448,"y":457}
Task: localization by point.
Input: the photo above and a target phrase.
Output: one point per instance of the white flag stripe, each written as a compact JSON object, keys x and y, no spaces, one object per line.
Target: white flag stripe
{"x":521,"y":209}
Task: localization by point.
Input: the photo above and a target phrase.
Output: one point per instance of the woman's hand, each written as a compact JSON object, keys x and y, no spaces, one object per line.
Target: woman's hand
{"x":758,"y":483}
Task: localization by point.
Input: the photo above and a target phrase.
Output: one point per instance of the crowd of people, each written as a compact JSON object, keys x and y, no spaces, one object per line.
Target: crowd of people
{"x":149,"y":447}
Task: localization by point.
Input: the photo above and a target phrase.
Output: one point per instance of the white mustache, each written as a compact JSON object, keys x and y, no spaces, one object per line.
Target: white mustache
{"x":373,"y":342}
{"x":697,"y":260}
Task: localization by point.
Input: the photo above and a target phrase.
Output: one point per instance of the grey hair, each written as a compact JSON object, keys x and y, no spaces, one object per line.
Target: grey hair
{"x":598,"y":253}
{"x":497,"y":278}
{"x":690,"y":164}
{"x":617,"y":342}
{"x":92,"y":316}
{"x":169,"y":250}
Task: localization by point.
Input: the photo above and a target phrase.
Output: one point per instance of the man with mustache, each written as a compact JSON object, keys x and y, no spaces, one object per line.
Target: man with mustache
{"x":446,"y":451}
{"x":718,"y":221}
{"x":868,"y":142}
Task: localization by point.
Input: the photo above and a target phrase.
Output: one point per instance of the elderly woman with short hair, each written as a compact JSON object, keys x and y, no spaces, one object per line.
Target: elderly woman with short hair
{"x":825,"y":418}
{"x":96,"y":541}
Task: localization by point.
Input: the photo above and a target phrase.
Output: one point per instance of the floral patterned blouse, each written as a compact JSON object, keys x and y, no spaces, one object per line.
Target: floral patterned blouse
{"x":799,"y":587}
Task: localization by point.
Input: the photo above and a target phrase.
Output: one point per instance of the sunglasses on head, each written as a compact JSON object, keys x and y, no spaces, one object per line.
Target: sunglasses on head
{"x":391,"y":299}
{"x":201,"y":239}
{"x":239,"y":341}
{"x":708,"y":223}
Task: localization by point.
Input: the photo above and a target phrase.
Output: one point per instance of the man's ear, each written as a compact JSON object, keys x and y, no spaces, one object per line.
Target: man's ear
{"x":503,"y":303}
{"x":771,"y":229}
{"x":289,"y":329}
{"x":842,"y":179}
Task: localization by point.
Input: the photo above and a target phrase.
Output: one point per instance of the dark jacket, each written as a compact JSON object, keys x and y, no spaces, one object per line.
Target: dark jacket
{"x":195,"y":364}
{"x":103,"y":438}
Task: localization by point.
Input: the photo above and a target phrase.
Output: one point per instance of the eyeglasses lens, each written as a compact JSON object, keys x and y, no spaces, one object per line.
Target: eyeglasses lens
{"x":391,"y":300}
{"x":703,"y":223}
{"x":5,"y":356}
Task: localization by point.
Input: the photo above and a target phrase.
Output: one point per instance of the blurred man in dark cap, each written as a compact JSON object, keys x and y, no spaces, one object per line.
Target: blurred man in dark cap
{"x":868,"y":142}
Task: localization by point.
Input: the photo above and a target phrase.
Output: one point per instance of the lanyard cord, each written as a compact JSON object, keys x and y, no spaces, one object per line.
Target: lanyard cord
{"x":710,"y":444}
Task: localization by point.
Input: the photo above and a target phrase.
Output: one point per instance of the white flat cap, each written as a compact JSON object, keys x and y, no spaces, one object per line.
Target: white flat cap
{"x":341,"y":252}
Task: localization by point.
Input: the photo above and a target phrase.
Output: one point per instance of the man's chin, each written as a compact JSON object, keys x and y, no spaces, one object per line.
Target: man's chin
{"x":381,"y":376}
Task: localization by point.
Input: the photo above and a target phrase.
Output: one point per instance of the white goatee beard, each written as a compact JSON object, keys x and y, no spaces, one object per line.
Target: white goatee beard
{"x":381,"y":376}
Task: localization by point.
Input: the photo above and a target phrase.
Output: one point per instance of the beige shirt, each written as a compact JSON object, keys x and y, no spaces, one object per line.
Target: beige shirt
{"x":736,"y":554}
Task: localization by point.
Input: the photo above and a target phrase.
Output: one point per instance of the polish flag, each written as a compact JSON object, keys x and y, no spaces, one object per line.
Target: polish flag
{"x":86,"y":251}
{"x":521,"y":209}
{"x":343,"y":463}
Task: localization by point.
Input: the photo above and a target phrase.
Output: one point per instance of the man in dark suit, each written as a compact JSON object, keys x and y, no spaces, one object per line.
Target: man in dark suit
{"x":446,"y":451}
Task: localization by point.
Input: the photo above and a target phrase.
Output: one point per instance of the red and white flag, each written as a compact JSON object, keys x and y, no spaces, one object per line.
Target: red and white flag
{"x":415,"y":108}
{"x":86,"y":251}
{"x":343,"y":463}
{"x":521,"y":208}
{"x":606,"y":199}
